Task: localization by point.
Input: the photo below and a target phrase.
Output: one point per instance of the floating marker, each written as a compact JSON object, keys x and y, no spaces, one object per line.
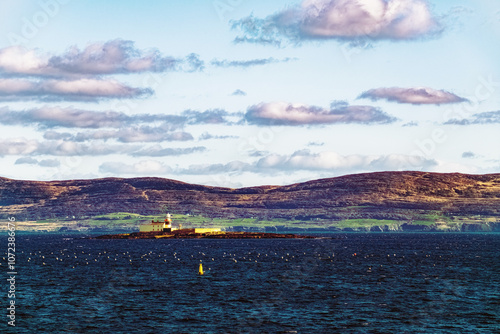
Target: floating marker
{"x":200,"y":271}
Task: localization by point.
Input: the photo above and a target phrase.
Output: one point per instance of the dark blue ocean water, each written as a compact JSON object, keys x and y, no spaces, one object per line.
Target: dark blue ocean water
{"x":350,"y":283}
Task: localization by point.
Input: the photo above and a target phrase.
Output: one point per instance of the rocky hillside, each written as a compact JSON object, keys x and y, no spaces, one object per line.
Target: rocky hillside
{"x":384,"y":195}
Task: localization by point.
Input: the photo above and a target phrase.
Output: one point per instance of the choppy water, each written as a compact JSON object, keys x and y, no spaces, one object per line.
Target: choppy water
{"x":353,"y":283}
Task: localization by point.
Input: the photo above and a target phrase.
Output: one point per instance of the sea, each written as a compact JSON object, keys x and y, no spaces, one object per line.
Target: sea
{"x":338,"y":283}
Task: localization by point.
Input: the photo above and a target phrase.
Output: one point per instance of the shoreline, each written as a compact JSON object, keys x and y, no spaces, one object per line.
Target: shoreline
{"x":186,"y":234}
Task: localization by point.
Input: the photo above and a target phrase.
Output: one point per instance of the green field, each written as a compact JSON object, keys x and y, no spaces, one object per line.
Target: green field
{"x":193,"y":221}
{"x":132,"y":221}
{"x":190,"y":221}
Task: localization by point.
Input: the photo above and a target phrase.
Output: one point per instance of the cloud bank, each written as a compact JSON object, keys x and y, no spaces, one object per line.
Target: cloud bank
{"x":144,"y":167}
{"x":32,"y":147}
{"x":68,"y":90}
{"x":159,"y":151}
{"x":345,"y":20}
{"x":207,"y":136}
{"x":418,"y":95}
{"x":238,"y":92}
{"x":284,"y":113}
{"x":41,"y":163}
{"x":247,"y":63}
{"x":53,"y":117}
{"x":304,"y":160}
{"x":489,"y":117}
{"x":127,"y":135}
{"x":77,"y":75}
{"x":211,"y":116}
{"x":102,"y":58}
{"x":468,"y":155}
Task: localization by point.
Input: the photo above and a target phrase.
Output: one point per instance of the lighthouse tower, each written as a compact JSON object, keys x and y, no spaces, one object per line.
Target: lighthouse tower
{"x":168,"y":222}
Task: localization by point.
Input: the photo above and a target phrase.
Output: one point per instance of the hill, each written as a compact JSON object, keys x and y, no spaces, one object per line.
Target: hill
{"x":404,"y":196}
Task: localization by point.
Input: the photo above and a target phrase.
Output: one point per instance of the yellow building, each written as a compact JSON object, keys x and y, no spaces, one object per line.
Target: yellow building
{"x":207,"y":230}
{"x":152,"y":227}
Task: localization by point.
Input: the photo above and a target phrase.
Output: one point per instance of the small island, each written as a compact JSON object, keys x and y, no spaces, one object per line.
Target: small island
{"x":162,"y":230}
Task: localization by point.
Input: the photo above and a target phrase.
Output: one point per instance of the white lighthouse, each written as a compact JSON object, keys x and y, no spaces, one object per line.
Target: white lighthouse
{"x":157,"y":226}
{"x":168,"y":223}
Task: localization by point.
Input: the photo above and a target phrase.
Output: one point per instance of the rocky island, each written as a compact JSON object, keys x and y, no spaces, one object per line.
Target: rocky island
{"x":191,"y":234}
{"x":164,"y":230}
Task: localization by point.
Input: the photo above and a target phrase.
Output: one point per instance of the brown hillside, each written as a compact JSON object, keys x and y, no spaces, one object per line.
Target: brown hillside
{"x":383,"y":195}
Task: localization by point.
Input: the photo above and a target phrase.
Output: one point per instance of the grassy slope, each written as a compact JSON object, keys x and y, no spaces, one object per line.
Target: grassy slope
{"x":124,"y":220}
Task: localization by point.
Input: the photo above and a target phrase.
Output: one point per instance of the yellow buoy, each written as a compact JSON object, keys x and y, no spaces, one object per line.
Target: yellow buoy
{"x":200,"y":271}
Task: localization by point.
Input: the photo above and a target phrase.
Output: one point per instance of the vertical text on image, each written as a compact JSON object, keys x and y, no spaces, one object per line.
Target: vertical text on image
{"x":11,"y":271}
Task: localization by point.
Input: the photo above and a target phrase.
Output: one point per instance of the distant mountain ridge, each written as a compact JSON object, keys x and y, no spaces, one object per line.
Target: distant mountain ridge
{"x":381,"y":195}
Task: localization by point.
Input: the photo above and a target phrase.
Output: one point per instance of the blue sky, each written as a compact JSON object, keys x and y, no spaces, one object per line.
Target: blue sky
{"x":241,"y":93}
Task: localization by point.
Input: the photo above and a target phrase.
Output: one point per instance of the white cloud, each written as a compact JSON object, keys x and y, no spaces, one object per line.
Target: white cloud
{"x":238,"y":92}
{"x":306,"y":160}
{"x":210,"y":169}
{"x":26,"y":160}
{"x":327,"y":161}
{"x":64,"y":117}
{"x":85,"y":89}
{"x":207,"y":136}
{"x":18,"y":146}
{"x":488,"y":117}
{"x":247,"y":63}
{"x":149,"y":134}
{"x":144,"y":167}
{"x":347,"y":20}
{"x":159,"y":151}
{"x":469,"y":155}
{"x":116,"y":56}
{"x":19,"y":60}
{"x":284,"y":113}
{"x":377,"y":19}
{"x":53,"y":116}
{"x":417,"y":95}
{"x":409,"y":124}
{"x":101,"y":58}
{"x":211,"y":116}
{"x":92,"y":87}
{"x":126,"y":135}
{"x":49,"y":163}
{"x":41,"y":163}
{"x":31,"y":147}
{"x":313,"y":143}
{"x":77,"y":75}
{"x":326,"y":164}
{"x":67,"y":148}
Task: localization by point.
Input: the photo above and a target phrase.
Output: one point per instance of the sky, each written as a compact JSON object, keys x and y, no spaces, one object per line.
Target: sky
{"x":239,"y":93}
